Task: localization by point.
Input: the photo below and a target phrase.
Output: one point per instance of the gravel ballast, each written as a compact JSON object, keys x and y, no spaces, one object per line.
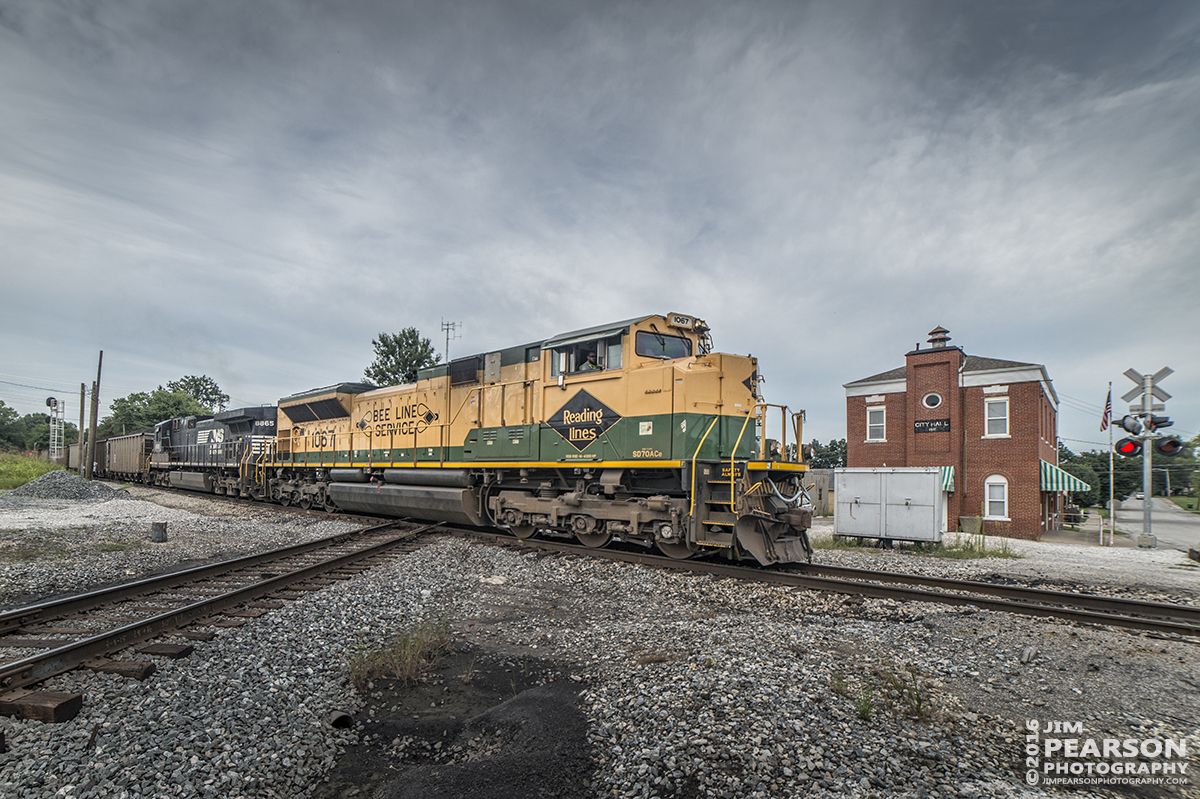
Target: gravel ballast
{"x":684,"y":685}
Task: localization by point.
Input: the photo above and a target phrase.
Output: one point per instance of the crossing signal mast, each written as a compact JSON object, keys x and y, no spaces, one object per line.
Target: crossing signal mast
{"x":1143,"y":425}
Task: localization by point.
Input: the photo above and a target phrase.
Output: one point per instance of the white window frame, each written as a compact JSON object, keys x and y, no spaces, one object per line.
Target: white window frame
{"x":988,"y":418}
{"x":1000,"y":482}
{"x":882,"y":425}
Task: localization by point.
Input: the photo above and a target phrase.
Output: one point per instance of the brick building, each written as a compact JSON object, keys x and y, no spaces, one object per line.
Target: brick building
{"x":992,"y":425}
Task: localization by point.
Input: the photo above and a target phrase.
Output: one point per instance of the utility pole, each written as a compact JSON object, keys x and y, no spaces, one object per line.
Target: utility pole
{"x":82,"y":440}
{"x":448,"y":328}
{"x":91,"y":461}
{"x":1167,"y":472}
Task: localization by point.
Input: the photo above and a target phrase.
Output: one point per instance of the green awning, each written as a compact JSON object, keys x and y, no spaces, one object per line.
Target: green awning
{"x":1055,"y":479}
{"x":947,"y":475}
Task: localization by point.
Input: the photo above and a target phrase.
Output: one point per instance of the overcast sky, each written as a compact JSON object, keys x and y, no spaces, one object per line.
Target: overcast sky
{"x":253,"y":190}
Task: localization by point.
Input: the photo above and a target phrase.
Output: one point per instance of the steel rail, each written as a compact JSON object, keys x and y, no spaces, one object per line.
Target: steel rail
{"x":42,"y":666}
{"x":1107,"y":604}
{"x":17,"y":618}
{"x":871,"y":589}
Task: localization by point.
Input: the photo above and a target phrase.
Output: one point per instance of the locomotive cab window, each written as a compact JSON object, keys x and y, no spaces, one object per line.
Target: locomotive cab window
{"x":650,"y":344}
{"x":582,"y":357}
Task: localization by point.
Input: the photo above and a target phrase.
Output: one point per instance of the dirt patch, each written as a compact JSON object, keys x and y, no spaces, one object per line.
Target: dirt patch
{"x":481,"y":724}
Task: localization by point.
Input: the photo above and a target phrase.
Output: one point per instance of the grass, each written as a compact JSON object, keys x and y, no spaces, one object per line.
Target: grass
{"x":16,"y":470}
{"x":22,"y":546}
{"x":837,"y":682}
{"x":405,"y":657}
{"x":38,"y":549}
{"x":864,"y":705}
{"x":897,"y":690}
{"x":642,"y":658}
{"x":907,"y":692}
{"x":1187,"y":503}
{"x":960,"y":547}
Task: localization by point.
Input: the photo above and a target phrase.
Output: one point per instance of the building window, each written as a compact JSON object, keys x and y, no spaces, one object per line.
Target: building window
{"x":995,"y":492}
{"x":996,"y":421}
{"x":876,"y":427}
{"x":931,"y":400}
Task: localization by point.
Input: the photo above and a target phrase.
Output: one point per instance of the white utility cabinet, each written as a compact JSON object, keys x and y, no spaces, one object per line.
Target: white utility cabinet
{"x":900,"y":504}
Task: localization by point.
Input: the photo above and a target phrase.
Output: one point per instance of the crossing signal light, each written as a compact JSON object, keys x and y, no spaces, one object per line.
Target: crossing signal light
{"x":1155,"y":422}
{"x":1128,"y":447}
{"x":1168,"y":447}
{"x":1130,"y":424}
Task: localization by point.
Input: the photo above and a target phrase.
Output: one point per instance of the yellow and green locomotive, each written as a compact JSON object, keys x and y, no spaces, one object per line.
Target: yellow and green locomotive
{"x":634,"y":431}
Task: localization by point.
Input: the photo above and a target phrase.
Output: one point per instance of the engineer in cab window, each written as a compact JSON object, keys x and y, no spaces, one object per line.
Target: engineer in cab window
{"x":589,"y":363}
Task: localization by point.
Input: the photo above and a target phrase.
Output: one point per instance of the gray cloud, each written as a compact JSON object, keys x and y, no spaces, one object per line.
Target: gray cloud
{"x":256,"y":191}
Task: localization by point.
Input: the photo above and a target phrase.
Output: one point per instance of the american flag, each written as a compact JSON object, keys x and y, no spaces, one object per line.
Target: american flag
{"x":1107,"y":412}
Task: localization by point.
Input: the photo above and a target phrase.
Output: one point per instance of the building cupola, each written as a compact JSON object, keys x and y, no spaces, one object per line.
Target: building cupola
{"x":938,"y":337}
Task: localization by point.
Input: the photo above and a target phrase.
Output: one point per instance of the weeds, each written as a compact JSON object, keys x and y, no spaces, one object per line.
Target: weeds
{"x":973,"y":546}
{"x":643,"y":658}
{"x":837,"y":681}
{"x":119,"y":546}
{"x":864,"y":705}
{"x":27,"y":545}
{"x":907,"y":692}
{"x":405,"y":657}
{"x":470,"y":672}
{"x":16,"y":470}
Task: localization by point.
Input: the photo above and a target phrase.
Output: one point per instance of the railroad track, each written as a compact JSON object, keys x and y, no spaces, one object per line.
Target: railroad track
{"x":84,"y":630}
{"x":1157,"y":617}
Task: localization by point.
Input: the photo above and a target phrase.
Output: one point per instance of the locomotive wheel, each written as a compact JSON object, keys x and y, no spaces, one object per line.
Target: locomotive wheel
{"x":677,"y":551}
{"x":285,"y":499}
{"x":523,"y":531}
{"x":594,"y":540}
{"x":305,"y":502}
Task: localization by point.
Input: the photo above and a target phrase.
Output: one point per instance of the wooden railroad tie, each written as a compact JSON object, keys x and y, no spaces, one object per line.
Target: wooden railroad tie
{"x":136,"y":669}
{"x":173,"y":651}
{"x":49,"y":706}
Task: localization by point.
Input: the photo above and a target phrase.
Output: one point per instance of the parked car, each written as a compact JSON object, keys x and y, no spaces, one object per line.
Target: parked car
{"x":1139,"y":495}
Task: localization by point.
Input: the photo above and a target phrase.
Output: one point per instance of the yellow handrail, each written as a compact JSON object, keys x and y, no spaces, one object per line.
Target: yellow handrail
{"x":732,"y":461}
{"x":695,"y":455}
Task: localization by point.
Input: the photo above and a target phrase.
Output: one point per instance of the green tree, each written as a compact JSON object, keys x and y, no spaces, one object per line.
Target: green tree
{"x":9,"y":427}
{"x":399,"y":356}
{"x":140,"y":410}
{"x":31,"y":431}
{"x":832,"y":456}
{"x":203,"y":388}
{"x":1088,"y":475}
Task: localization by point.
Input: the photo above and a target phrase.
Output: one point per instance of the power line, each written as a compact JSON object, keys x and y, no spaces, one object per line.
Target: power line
{"x":1080,"y":401}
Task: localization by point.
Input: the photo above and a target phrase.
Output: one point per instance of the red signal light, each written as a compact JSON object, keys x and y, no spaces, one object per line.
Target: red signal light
{"x":1128,"y":447}
{"x":1168,"y":447}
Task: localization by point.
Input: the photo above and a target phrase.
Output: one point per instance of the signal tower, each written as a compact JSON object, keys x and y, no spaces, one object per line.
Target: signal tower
{"x":57,"y":426}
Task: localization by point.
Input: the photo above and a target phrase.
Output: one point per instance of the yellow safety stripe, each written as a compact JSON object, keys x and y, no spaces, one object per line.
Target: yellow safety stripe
{"x":657,"y":464}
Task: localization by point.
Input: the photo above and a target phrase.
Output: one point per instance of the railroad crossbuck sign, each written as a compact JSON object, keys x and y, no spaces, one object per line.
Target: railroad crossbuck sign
{"x":1149,"y":424}
{"x":1146,"y":389}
